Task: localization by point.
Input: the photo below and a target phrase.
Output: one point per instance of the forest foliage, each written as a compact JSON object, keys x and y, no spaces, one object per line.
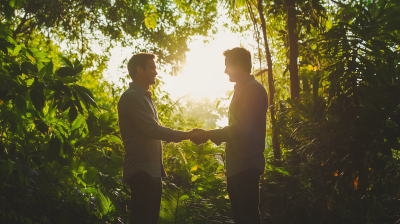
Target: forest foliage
{"x":60,"y":148}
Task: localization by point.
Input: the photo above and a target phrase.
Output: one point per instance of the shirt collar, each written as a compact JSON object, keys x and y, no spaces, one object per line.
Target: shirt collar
{"x":243,"y":82}
{"x":139,"y":89}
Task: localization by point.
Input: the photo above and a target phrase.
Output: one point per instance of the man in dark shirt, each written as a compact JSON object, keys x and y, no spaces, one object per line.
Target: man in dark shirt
{"x":141,"y":134}
{"x":244,"y":137}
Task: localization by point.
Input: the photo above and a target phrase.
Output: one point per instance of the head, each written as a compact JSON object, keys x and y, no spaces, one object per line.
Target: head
{"x":141,"y":68}
{"x":237,"y":63}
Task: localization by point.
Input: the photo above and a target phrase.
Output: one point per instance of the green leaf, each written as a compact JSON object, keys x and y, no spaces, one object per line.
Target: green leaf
{"x":86,"y":95}
{"x":89,"y":190}
{"x":328,"y":25}
{"x":67,"y":62}
{"x":77,"y":167}
{"x":113,"y":138}
{"x":76,"y":62}
{"x":49,"y":69}
{"x":73,"y":113}
{"x":103,"y":203}
{"x":42,"y":72}
{"x":90,"y":176}
{"x":67,"y":149}
{"x":194,"y":177}
{"x":313,"y":47}
{"x":16,"y":50}
{"x":37,"y":99}
{"x":218,"y":103}
{"x":77,"y":122}
{"x":92,"y":123}
{"x":27,"y":67}
{"x":104,"y":118}
{"x":66,"y":71}
{"x":118,"y":161}
{"x":78,"y":68}
{"x":43,"y":59}
{"x":183,"y":197}
{"x":68,"y":79}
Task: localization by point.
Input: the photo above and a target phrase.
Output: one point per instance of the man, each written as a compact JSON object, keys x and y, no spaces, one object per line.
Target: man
{"x":141,"y":134}
{"x":244,"y":137}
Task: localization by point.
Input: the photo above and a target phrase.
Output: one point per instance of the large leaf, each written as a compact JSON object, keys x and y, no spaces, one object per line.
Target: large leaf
{"x":77,"y":122}
{"x":103,"y":203}
{"x":66,"y":71}
{"x":104,"y":118}
{"x":90,"y":176}
{"x":67,"y":149}
{"x":27,"y":68}
{"x":67,"y":62}
{"x":86,"y":96}
{"x":171,"y":209}
{"x":92,"y":123}
{"x":73,"y":113}
{"x":49,"y":69}
{"x":68,"y":80}
{"x":37,"y":99}
{"x":113,"y":138}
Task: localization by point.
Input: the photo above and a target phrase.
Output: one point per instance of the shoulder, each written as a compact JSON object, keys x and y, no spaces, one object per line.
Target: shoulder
{"x":131,"y":95}
{"x":254,"y":87}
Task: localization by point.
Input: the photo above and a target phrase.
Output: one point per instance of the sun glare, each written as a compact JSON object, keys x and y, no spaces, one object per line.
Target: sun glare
{"x":203,"y":75}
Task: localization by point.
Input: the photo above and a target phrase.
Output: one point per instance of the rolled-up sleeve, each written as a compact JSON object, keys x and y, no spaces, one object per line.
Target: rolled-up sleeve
{"x":135,"y":109}
{"x":247,"y":115}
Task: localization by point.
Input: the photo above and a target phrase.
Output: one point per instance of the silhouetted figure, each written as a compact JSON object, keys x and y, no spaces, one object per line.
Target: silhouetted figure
{"x":141,"y":134}
{"x":244,"y":137}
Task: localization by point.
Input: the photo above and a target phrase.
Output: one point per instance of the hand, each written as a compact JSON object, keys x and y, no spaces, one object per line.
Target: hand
{"x":200,"y":136}
{"x":190,"y":134}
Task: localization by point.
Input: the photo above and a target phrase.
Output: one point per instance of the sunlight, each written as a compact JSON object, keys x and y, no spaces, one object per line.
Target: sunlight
{"x":203,"y":75}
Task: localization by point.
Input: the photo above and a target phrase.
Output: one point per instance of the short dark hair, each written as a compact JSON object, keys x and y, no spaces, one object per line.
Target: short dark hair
{"x":139,"y":59}
{"x":240,"y":54}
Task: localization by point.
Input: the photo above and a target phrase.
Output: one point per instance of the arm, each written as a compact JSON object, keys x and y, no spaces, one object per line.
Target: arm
{"x":134,"y":106}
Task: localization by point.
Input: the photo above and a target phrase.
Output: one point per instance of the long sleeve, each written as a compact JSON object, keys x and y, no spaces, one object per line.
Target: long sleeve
{"x":246,"y":115}
{"x":140,"y":114}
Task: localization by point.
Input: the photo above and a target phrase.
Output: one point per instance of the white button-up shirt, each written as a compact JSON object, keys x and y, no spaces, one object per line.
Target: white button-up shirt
{"x":142,"y":133}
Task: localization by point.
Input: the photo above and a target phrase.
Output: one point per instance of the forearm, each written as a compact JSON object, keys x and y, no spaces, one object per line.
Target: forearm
{"x":225,"y":134}
{"x":167,"y":134}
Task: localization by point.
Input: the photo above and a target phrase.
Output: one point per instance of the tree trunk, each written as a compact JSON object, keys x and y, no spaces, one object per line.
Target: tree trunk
{"x":293,"y":49}
{"x":275,"y":143}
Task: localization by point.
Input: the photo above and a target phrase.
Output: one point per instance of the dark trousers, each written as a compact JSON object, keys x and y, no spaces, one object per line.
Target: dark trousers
{"x":145,"y":198}
{"x":244,"y":194}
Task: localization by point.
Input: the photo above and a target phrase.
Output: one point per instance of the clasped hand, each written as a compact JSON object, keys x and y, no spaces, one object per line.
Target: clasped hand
{"x":198,"y":136}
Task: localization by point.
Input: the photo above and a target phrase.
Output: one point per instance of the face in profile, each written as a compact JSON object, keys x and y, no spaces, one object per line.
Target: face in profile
{"x":234,"y":72}
{"x":150,"y":74}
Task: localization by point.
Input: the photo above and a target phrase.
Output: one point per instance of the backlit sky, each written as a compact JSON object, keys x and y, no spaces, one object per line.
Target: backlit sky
{"x":202,"y":75}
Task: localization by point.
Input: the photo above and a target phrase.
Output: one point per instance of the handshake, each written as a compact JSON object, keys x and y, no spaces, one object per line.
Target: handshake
{"x":197,"y":136}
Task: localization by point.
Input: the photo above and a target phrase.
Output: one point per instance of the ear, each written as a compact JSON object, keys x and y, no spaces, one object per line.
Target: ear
{"x":139,"y":69}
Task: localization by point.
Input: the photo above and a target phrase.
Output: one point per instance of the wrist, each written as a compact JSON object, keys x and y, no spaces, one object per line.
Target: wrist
{"x":186,"y":135}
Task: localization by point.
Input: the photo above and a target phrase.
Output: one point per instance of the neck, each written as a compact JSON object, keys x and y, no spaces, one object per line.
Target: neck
{"x":144,"y":85}
{"x":243,"y":78}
